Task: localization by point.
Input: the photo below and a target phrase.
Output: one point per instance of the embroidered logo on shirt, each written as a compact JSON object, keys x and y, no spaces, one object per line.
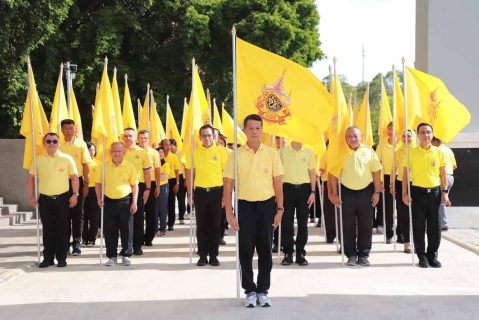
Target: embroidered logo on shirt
{"x":266,"y":170}
{"x":76,"y":155}
{"x":124,"y":180}
{"x":433,"y":163}
{"x":215,"y":158}
{"x":304,"y":159}
{"x":61,"y":169}
{"x":137,"y":157}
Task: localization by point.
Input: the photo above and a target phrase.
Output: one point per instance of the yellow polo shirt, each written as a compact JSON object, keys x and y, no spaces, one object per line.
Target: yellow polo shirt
{"x":54,"y":173}
{"x":208,"y":164}
{"x":450,"y":159}
{"x":297,"y":164}
{"x":323,"y":165}
{"x":139,"y":158}
{"x":400,"y":156}
{"x":172,"y":159}
{"x":78,"y":150}
{"x":425,"y":166}
{"x":165,"y":169}
{"x":255,"y":172}
{"x":358,"y":167}
{"x":181,"y":170}
{"x":118,"y":179}
{"x":94,"y":166}
{"x":387,"y":162}
{"x":154,"y":158}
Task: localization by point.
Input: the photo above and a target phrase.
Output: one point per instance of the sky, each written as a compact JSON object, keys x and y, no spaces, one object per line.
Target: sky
{"x":385,"y":27}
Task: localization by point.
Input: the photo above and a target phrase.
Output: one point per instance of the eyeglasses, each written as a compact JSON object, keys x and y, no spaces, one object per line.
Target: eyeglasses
{"x":51,"y":141}
{"x":206,"y":135}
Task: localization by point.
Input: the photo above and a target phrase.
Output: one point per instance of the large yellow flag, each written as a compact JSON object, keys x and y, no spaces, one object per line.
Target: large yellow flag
{"x":157,"y":132}
{"x":338,"y":148}
{"x":40,"y":123}
{"x":438,"y":107}
{"x":351,"y":111}
{"x":116,"y":103}
{"x":217,"y":123}
{"x":143,"y":121}
{"x":59,"y":107}
{"x":385,"y":116}
{"x":128,"y":114}
{"x":74,"y":113}
{"x":183,"y":120}
{"x":287,"y":96}
{"x":171,"y":128}
{"x":228,"y":126}
{"x":355,"y":107}
{"x":364,"y":121}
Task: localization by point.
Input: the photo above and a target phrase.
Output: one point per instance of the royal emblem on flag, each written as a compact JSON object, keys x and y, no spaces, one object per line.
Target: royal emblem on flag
{"x":433,"y":105}
{"x":273,"y":104}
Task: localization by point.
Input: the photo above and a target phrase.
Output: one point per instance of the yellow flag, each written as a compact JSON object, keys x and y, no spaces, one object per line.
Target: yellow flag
{"x":216,"y":119}
{"x":438,"y":107}
{"x":128,"y":114}
{"x":287,"y":96}
{"x":157,"y":132}
{"x":364,"y":121}
{"x":116,"y":103}
{"x":143,"y":121}
{"x":171,"y":128}
{"x":398,"y":104}
{"x":267,"y":139}
{"x":40,"y":123}
{"x":183,"y":120}
{"x":355,"y":108}
{"x":338,"y":148}
{"x":351,"y":112}
{"x":59,"y":107}
{"x":385,"y":116}
{"x":228,"y":126}
{"x":75,"y":114}
{"x":97,"y":126}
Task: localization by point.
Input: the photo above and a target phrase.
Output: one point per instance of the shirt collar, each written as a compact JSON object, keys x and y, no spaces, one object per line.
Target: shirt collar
{"x":261,"y":146}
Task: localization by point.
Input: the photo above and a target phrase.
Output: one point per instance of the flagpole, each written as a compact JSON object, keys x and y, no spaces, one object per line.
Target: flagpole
{"x":29,"y":66}
{"x":235,"y":116}
{"x":102,"y":198}
{"x":138,"y":105}
{"x":279,"y":227}
{"x":148,"y":106}
{"x":335,"y":208}
{"x":166,"y":116}
{"x":193,"y":215}
{"x":393,"y":174}
{"x":59,"y":99}
{"x":407,"y":158}
{"x":321,"y":202}
{"x":381,"y":141}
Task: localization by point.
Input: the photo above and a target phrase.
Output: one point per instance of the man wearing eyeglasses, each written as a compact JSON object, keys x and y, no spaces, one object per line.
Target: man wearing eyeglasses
{"x":56,"y":171}
{"x":207,"y":187}
{"x":78,"y":150}
{"x":427,"y":164}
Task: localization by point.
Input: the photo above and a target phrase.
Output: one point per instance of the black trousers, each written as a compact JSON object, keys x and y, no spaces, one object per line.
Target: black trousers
{"x":181,"y":197}
{"x":357,"y":207}
{"x":389,"y":209}
{"x":329,"y":211}
{"x":208,"y":217}
{"x":116,"y":217}
{"x":171,"y":203}
{"x":91,"y":216}
{"x":139,"y":219}
{"x":256,"y":231}
{"x":55,"y":220}
{"x":151,"y":216}
{"x":402,"y":213}
{"x":76,"y":215}
{"x":425,"y":212}
{"x":223,"y":223}
{"x":318,"y":207}
{"x":295,"y":200}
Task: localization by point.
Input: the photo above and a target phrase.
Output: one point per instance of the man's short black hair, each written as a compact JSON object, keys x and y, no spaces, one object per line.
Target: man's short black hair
{"x":143,"y":132}
{"x":422,"y":125}
{"x":50,"y":134}
{"x":390,"y":124}
{"x":205,"y":127}
{"x":66,"y":121}
{"x":172,"y":142}
{"x":253,"y":117}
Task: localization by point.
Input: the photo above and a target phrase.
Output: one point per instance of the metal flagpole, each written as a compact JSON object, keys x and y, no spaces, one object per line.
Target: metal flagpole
{"x":193,"y":215}
{"x":102,"y":198}
{"x":393,"y":173}
{"x":139,"y":113}
{"x":148,"y":92}
{"x":335,"y":208}
{"x":381,"y":140}
{"x":59,"y":99}
{"x":321,"y":202}
{"x":407,"y":158}
{"x":67,"y":68}
{"x":341,"y":220}
{"x":30,"y":92}
{"x":279,"y":227}
{"x":166,"y":115}
{"x":235,"y":116}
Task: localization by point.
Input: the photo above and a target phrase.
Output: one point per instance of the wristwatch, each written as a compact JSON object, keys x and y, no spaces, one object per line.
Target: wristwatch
{"x":312,"y":191}
{"x":76,"y":194}
{"x":148,"y":189}
{"x":445,"y":191}
{"x":377,"y":192}
{"x":279,"y":209}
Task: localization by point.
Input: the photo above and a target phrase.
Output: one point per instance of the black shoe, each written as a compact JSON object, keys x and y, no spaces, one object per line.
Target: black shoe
{"x":389,"y":241}
{"x":288,"y":259}
{"x":214,"y":261}
{"x":275,"y":248}
{"x":138,"y":252}
{"x":318,"y":225}
{"x":61,"y":264}
{"x":301,"y":260}
{"x":434,"y":263}
{"x":148,"y":243}
{"x":84,"y":244}
{"x":91,"y":243}
{"x":46,"y":264}
{"x":122,"y":253}
{"x":445,"y":228}
{"x":423,"y":263}
{"x":202,"y":262}
{"x":363,"y":261}
{"x":171,"y":228}
{"x":400,"y":239}
{"x":329,"y":241}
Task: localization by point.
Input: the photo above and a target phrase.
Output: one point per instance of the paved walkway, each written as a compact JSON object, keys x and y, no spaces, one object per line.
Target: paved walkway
{"x":161,"y":284}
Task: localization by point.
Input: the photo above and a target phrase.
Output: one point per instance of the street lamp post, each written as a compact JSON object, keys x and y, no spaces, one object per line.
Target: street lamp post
{"x":70,"y":74}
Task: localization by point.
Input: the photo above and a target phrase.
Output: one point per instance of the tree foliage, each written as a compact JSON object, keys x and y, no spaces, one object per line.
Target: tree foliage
{"x":153,"y":41}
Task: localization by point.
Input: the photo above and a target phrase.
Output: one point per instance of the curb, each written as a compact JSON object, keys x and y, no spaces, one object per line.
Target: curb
{"x":11,"y":274}
{"x":461,"y":243}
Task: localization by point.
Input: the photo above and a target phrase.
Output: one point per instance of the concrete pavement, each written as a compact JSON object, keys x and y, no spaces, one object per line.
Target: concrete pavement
{"x":162,"y":284}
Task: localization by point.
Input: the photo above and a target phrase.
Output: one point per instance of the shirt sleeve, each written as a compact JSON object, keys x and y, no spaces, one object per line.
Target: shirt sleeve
{"x":156,"y":160}
{"x":99,"y":174}
{"x":442,"y":158}
{"x":311,"y":160}
{"x":85,"y":157}
{"x":133,"y":175}
{"x":229,"y":170}
{"x":146,"y":161}
{"x":72,"y":168}
{"x":375,"y":163}
{"x":278,"y":169}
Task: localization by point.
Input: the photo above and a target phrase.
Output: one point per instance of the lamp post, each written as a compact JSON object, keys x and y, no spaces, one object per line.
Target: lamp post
{"x":70,"y":74}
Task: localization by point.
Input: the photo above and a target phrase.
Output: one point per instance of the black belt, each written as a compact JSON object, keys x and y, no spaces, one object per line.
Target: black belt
{"x":297,"y":186}
{"x":209,"y":189}
{"x":54,"y":197}
{"x":426,"y":190}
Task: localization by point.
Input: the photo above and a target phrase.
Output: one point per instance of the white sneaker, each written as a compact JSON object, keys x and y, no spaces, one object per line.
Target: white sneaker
{"x":263,"y":300}
{"x":380,"y":230}
{"x":126,"y":261}
{"x":226,"y":232}
{"x":250,"y":301}
{"x":375,"y":230}
{"x":110,"y":262}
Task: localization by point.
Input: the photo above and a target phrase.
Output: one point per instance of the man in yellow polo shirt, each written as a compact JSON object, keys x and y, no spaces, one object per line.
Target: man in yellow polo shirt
{"x":451,"y":165}
{"x":328,"y":206}
{"x":54,"y":170}
{"x":427,"y":165}
{"x":299,"y":187}
{"x":260,"y":207}
{"x":121,"y":195}
{"x":173,"y":181}
{"x":78,"y":150}
{"x":208,"y":164}
{"x":139,"y":158}
{"x":360,"y":189}
{"x":180,"y":195}
{"x":151,"y":218}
